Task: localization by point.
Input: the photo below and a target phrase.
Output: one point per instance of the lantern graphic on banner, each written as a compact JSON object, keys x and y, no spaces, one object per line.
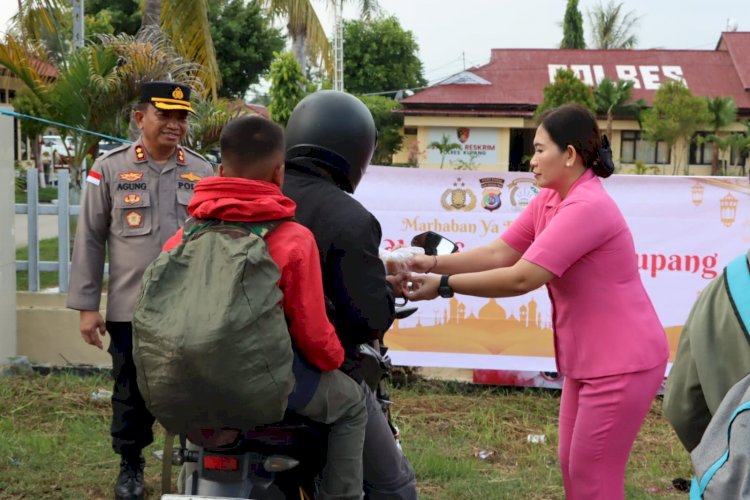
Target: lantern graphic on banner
{"x":697,"y":191}
{"x":728,"y":209}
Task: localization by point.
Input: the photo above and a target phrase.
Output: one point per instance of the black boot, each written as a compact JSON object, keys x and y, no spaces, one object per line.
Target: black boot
{"x":129,"y":485}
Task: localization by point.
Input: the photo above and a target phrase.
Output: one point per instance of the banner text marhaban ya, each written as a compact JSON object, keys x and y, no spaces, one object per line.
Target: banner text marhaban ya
{"x":483,"y":228}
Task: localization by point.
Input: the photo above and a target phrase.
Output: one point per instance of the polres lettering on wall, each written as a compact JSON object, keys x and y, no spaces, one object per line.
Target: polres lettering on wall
{"x":648,"y":77}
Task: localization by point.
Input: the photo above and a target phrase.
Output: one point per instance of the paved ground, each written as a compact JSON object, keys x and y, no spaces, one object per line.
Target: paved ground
{"x":47,"y":228}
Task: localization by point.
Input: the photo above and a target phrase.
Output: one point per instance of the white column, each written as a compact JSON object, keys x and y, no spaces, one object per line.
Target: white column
{"x":7,"y":241}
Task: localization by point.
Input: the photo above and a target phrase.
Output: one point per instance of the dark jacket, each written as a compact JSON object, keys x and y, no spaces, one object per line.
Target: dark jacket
{"x":361,"y":304}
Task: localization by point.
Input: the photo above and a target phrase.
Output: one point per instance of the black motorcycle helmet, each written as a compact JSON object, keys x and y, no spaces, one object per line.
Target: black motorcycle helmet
{"x":336,"y":130}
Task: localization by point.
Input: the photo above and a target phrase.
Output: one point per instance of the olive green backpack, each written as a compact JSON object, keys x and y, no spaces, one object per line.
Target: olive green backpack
{"x":210,"y":340}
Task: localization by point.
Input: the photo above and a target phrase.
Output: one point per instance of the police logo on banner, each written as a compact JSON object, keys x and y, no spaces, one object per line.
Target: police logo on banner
{"x":522,"y":191}
{"x":459,"y":198}
{"x":491,"y":188}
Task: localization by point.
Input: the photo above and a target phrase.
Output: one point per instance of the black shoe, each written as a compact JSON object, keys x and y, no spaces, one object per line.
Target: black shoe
{"x":129,"y":485}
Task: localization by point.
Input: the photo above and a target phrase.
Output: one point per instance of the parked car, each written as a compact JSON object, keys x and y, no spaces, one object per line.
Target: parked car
{"x":105,"y":146}
{"x":54,"y":144}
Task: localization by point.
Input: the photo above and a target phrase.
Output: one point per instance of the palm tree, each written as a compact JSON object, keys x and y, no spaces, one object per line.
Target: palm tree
{"x":612,"y":99}
{"x":723,"y":112}
{"x":96,"y":87}
{"x":306,"y":30}
{"x":186,"y":23}
{"x":611,"y":28}
{"x":444,"y":146}
{"x":740,"y":143}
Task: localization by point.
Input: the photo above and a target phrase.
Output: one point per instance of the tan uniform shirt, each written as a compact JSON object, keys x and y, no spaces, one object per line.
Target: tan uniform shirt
{"x":133,"y":205}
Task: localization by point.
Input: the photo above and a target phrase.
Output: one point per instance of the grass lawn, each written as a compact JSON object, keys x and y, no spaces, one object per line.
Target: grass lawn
{"x":46,"y":195}
{"x":47,"y":252}
{"x":54,"y":442}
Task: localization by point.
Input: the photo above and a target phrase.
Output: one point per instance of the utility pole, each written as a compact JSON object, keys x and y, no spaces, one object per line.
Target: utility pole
{"x":338,"y":48}
{"x":78,"y":33}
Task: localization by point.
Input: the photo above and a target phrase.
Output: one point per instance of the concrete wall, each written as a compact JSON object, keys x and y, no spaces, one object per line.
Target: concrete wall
{"x":48,"y":332}
{"x":7,"y":239}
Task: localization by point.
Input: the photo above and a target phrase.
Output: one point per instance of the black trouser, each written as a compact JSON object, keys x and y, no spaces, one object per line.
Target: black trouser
{"x":131,"y":421}
{"x":387,"y":472}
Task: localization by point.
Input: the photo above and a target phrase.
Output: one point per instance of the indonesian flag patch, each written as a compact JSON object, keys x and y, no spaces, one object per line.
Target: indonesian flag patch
{"x":94,"y":178}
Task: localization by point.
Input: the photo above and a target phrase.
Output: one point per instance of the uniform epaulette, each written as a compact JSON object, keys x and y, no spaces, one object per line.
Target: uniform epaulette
{"x":112,"y":151}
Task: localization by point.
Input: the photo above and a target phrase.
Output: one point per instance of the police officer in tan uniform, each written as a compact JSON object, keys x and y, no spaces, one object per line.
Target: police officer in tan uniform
{"x":136,"y":197}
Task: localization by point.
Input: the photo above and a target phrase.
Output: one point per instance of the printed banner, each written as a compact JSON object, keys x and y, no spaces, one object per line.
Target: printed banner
{"x":471,"y":146}
{"x":686,"y":229}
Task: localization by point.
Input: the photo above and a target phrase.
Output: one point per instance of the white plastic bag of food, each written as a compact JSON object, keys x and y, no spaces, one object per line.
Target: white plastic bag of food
{"x":395,"y":260}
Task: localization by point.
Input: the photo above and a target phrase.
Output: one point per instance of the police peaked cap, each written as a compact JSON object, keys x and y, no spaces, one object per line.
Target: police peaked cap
{"x":167,"y":95}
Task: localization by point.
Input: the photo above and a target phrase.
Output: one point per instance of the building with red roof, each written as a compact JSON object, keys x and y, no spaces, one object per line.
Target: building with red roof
{"x":489,"y":109}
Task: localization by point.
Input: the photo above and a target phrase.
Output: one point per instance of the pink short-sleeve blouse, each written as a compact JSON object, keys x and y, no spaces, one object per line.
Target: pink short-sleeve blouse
{"x":603,"y":319}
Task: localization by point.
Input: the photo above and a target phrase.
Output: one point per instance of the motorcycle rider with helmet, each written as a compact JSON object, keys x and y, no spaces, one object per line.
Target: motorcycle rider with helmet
{"x":331,"y":137}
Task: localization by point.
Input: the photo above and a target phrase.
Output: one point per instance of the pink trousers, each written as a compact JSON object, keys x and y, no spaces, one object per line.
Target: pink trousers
{"x":599,"y":420}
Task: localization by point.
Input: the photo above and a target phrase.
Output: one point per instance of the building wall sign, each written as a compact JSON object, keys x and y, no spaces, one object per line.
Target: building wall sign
{"x":647,"y":77}
{"x":478,"y":146}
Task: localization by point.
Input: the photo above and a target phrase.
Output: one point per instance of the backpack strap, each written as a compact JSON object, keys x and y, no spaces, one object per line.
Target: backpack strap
{"x":194,"y":228}
{"x":698,"y":487}
{"x":738,"y":287}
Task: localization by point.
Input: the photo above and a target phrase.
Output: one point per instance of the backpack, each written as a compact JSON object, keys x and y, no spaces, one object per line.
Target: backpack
{"x":210,"y":339}
{"x":722,"y":459}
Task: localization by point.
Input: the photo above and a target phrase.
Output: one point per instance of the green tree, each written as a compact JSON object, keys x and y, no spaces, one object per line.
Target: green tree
{"x":723,"y":112}
{"x":243,"y":37}
{"x":306,"y":31}
{"x":97,"y":85}
{"x":389,"y":126}
{"x":573,"y":27}
{"x":613,"y":98}
{"x":611,"y":28}
{"x":125,"y":15}
{"x":185,"y":22}
{"x":567,"y":88}
{"x":245,"y":42}
{"x":676,"y":114}
{"x":28,"y":103}
{"x":380,"y":56}
{"x":209,"y":119}
{"x":288,"y":87}
{"x":740,"y":143}
{"x":444,"y":147}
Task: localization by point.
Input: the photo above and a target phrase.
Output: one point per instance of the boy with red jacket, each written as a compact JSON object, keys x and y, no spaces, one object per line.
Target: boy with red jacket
{"x":248,"y":189}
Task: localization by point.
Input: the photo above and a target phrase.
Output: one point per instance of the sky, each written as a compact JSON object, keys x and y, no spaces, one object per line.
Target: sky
{"x":454,"y":35}
{"x":451,"y":32}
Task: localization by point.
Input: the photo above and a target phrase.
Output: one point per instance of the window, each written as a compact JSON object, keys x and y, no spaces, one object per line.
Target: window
{"x":634,"y":147}
{"x":700,"y":152}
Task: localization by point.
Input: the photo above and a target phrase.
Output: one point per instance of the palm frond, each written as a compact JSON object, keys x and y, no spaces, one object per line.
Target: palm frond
{"x":612,"y":28}
{"x":28,"y":63}
{"x":302,"y":20}
{"x":186,"y":23}
{"x":209,"y":120}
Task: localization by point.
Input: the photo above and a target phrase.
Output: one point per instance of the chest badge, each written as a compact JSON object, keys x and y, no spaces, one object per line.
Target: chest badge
{"x":132,"y":199}
{"x":134,"y":219}
{"x":190,"y":177}
{"x":131,"y":176}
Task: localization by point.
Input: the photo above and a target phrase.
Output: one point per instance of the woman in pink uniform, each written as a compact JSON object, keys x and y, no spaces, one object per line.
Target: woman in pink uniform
{"x":609,"y":342}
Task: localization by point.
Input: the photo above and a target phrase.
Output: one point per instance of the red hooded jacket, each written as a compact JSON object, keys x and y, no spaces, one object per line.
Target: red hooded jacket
{"x":291,"y":245}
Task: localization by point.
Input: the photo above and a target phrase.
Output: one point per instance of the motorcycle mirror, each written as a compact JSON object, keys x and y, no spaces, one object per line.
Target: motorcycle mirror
{"x":405,"y":312}
{"x":434,"y":243}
